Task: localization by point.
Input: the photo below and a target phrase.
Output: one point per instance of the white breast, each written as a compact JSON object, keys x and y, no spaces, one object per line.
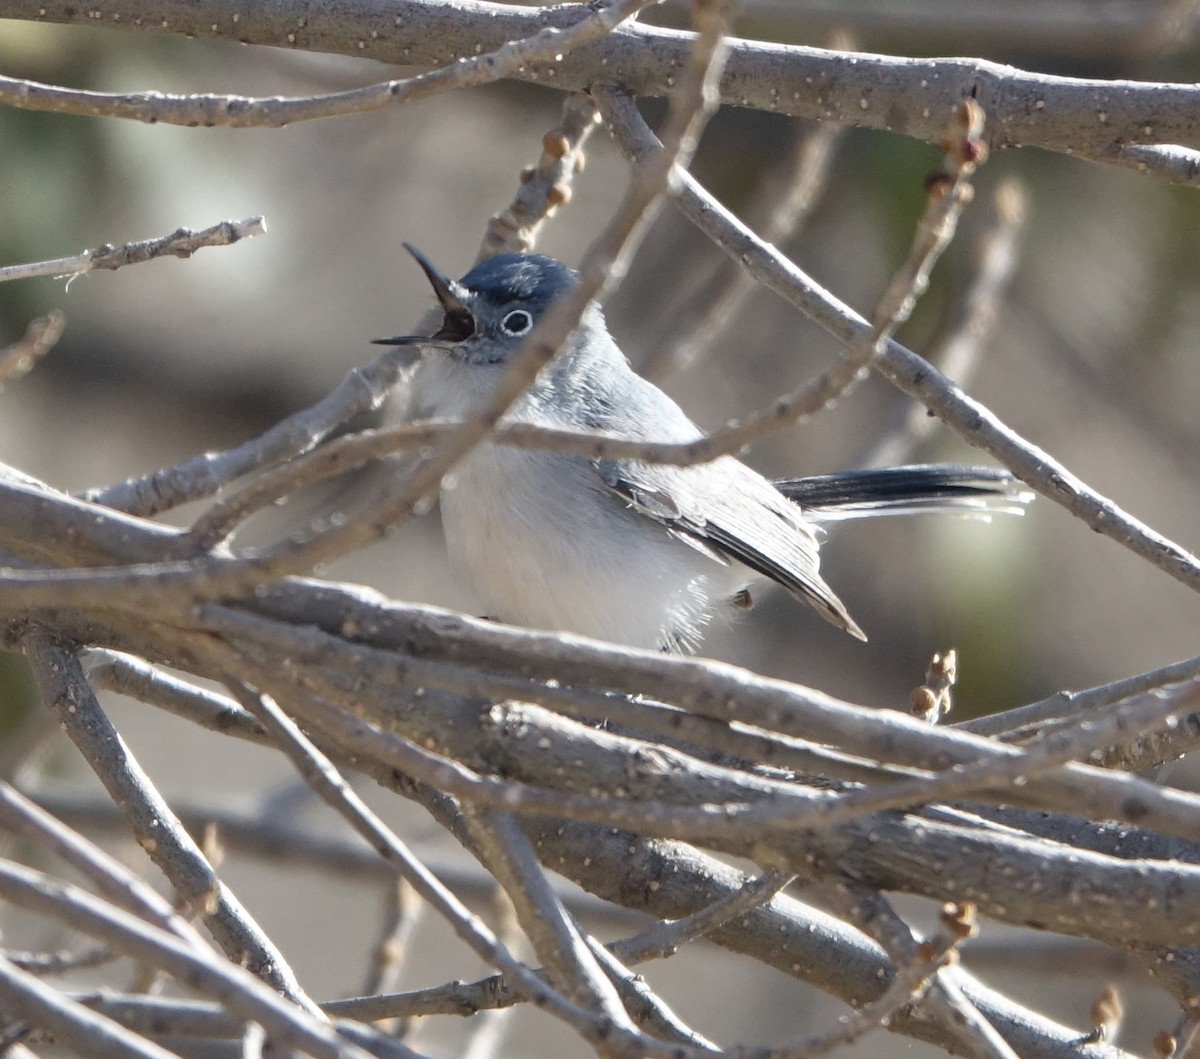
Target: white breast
{"x":523,"y":526}
{"x":525,"y":529}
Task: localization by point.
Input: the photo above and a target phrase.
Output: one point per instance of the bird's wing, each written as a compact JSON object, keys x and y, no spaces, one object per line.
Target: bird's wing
{"x":727,"y":509}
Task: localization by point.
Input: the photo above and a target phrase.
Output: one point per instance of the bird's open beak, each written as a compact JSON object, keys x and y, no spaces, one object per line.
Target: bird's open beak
{"x":458,"y":324}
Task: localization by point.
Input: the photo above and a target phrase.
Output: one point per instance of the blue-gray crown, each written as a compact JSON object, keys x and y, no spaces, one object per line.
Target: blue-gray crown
{"x":532,"y":279}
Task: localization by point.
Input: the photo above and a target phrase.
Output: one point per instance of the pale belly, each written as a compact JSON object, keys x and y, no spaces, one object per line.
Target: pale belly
{"x":544,"y":544}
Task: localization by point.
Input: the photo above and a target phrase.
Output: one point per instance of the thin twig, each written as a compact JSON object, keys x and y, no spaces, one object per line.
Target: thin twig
{"x":131,"y":676}
{"x":1147,"y":750}
{"x":173,"y":582}
{"x":943,"y":997}
{"x":970,"y":323}
{"x":602,"y":263}
{"x":488,"y":1029}
{"x":946,"y":200}
{"x":402,"y":914}
{"x":665,"y":939}
{"x":183,"y":242}
{"x":644,"y":1006}
{"x":778,"y":212}
{"x":546,"y":185}
{"x":242,"y":830}
{"x":43,"y":964}
{"x":1075,"y":705}
{"x":363,"y":389}
{"x":597,"y":271}
{"x":908,"y":985}
{"x":949,"y":192}
{"x":157,"y":1015}
{"x":354,"y":451}
{"x":948,"y":990}
{"x":1178,"y":165}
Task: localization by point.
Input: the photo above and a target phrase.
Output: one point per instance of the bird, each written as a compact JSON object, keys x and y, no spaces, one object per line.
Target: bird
{"x":626,"y":550}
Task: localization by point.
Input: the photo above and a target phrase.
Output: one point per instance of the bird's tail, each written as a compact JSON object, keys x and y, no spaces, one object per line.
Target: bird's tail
{"x":929,"y":488}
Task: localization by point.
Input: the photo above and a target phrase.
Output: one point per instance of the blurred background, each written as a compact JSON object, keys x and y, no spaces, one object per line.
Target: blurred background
{"x":1091,"y":356}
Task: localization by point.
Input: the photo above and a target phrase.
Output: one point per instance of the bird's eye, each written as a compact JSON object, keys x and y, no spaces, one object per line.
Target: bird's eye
{"x":517,"y":322}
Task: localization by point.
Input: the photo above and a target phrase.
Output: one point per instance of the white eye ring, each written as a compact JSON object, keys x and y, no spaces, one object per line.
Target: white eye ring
{"x":518,"y":322}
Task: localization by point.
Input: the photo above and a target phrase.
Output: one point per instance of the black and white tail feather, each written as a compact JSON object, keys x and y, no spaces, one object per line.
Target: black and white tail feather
{"x":917,"y":489}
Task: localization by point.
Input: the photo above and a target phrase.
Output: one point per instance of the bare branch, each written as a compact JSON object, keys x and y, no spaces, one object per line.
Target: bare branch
{"x":402,"y":914}
{"x":907,"y":985}
{"x":1091,"y":119}
{"x":363,"y":389}
{"x":969,"y":325}
{"x":644,"y":1006}
{"x":778,"y":212}
{"x":721,"y":692}
{"x":130,"y":676}
{"x":666,"y":938}
{"x":487,"y":1035}
{"x":1179,"y":165}
{"x":545,"y":185}
{"x":66,"y":691}
{"x":181,"y":243}
{"x":948,"y":196}
{"x":596,"y":761}
{"x":616,"y":858}
{"x":62,"y":962}
{"x":244,"y":831}
{"x":321,"y":774}
{"x":24,"y":995}
{"x":544,"y":44}
{"x":785,"y":933}
{"x":703,"y":689}
{"x":972,"y":421}
{"x":239,"y":989}
{"x":939,"y":996}
{"x":1075,"y":705}
{"x":569,"y":963}
{"x":20,"y":816}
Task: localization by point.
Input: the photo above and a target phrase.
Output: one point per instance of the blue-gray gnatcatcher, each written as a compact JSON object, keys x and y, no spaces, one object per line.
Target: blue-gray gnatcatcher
{"x":623,"y":550}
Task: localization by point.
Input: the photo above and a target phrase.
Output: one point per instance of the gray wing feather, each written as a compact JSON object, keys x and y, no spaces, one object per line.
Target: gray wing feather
{"x":726,"y":508}
{"x":723,"y":508}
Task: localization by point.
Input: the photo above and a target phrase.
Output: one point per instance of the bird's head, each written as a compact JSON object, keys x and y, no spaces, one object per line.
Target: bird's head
{"x":488,"y":312}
